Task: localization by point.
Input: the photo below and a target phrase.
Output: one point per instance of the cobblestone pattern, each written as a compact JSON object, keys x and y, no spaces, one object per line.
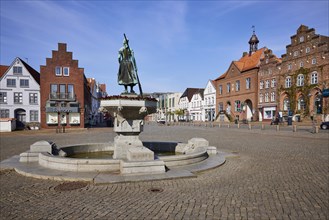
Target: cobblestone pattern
{"x":270,"y":176}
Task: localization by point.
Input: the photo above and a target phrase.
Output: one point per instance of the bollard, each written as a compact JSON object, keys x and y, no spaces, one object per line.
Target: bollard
{"x":278,"y":128}
{"x":249,"y":126}
{"x":238,"y":125}
{"x":294,"y":128}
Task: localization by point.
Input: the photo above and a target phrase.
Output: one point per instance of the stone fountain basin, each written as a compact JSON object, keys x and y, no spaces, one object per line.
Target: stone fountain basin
{"x":113,"y":165}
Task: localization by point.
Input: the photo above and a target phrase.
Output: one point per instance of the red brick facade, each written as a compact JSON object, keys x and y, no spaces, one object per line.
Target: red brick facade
{"x":65,"y":96}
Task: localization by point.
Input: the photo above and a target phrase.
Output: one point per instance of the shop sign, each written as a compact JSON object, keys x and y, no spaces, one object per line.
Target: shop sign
{"x":62,"y":109}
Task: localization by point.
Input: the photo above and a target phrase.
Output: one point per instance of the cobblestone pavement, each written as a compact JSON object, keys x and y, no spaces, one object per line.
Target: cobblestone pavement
{"x":272,"y":175}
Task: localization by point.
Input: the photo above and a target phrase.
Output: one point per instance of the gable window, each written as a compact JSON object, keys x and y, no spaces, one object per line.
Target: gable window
{"x":237,"y":85}
{"x":248,"y":83}
{"x":288,"y":82}
{"x":228,"y":87}
{"x":24,"y":83}
{"x":4,"y":113}
{"x":301,"y":39}
{"x":3,"y":97}
{"x":66,"y":71}
{"x":314,"y":78}
{"x":289,"y":66}
{"x":33,"y":98}
{"x":11,"y":82}
{"x":237,"y":106}
{"x":18,"y":97}
{"x":58,"y":71}
{"x":261,"y":84}
{"x":273,"y":82}
{"x":267,"y":84}
{"x":220,"y":89}
{"x":300,"y":80}
{"x":17,"y":70}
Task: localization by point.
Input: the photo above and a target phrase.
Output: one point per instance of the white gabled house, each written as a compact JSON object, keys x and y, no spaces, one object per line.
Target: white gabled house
{"x":209,"y":107}
{"x":190,"y":110}
{"x":196,"y":107}
{"x":20,"y":93}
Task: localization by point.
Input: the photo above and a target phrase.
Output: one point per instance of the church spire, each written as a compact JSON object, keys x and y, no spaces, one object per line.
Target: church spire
{"x":253,"y":42}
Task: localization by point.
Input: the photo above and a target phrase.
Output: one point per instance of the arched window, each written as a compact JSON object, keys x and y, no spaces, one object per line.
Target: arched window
{"x":300,"y":80}
{"x":314,"y":78}
{"x":301,"y":104}
{"x":288,"y":82}
{"x":286,"y":104}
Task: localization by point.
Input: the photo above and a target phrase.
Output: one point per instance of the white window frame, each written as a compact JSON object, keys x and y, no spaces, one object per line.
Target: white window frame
{"x":272,"y":96}
{"x":24,"y":83}
{"x":220,"y":89}
{"x":64,"y":71}
{"x":17,"y":70}
{"x":248,"y":83}
{"x":267,"y":84}
{"x":288,"y":82}
{"x":300,"y":80}
{"x":266,"y":97}
{"x":273,"y":82}
{"x":4,"y":113}
{"x":33,"y":98}
{"x":34,"y":115}
{"x":3,"y":97}
{"x":314,"y":78}
{"x":296,"y":53}
{"x":314,"y":61}
{"x":261,"y":98}
{"x":307,"y":50}
{"x":228,"y":87}
{"x":237,"y":85}
{"x":58,"y":71}
{"x":11,"y":82}
{"x":18,"y":98}
{"x":261,"y":84}
{"x":289,"y":66}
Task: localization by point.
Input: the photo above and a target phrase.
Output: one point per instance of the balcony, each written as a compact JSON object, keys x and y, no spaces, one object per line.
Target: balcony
{"x":62,"y":97}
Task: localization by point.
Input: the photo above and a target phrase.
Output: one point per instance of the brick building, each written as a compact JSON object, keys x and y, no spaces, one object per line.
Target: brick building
{"x":65,"y":95}
{"x":237,"y":88}
{"x":304,"y":75}
{"x":268,"y":77}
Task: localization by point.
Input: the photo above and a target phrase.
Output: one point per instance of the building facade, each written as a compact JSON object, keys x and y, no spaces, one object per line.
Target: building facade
{"x":237,"y":88}
{"x":65,"y":95}
{"x":20,"y":93}
{"x":304,"y":75}
{"x":185,"y":103}
{"x":196,"y":109}
{"x":268,"y":76}
{"x":209,"y":107}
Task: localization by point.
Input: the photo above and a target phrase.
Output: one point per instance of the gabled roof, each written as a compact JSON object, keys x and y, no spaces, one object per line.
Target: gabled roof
{"x":246,"y":62}
{"x":3,"y":69}
{"x":189,"y":92}
{"x":35,"y":74}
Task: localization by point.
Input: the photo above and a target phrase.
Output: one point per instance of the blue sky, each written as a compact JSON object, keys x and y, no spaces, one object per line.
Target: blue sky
{"x":177,"y":44}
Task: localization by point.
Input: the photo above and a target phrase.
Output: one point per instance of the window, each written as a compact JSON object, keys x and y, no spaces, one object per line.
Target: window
{"x":220,"y":107}
{"x":237,"y":106}
{"x":314,"y":78}
{"x":286,"y":104}
{"x":17,"y":70}
{"x":300,"y":80}
{"x":11,"y":82}
{"x":228,"y":87}
{"x":248,"y":82}
{"x":289,"y":66}
{"x":301,"y":39}
{"x":314,"y":61}
{"x":273,"y":82}
{"x":301,"y":64}
{"x":269,"y":71}
{"x":288,"y":82}
{"x":260,"y":98}
{"x":34,"y":115}
{"x":237,"y":85}
{"x":66,"y":71}
{"x":295,"y":53}
{"x":267,"y":84}
{"x":33,"y":98}
{"x":266,"y":61}
{"x":24,"y":83}
{"x":261,"y":84}
{"x":53,"y":90}
{"x":220,"y":89}
{"x":301,"y":105}
{"x":3,"y":97}
{"x":18,"y":97}
{"x":272,"y":96}
{"x":58,"y":71}
{"x":307,"y":50}
{"x":4,"y":113}
{"x":266,"y":97}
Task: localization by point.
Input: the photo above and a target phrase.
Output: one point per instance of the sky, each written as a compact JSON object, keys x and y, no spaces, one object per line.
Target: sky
{"x":177,"y":44}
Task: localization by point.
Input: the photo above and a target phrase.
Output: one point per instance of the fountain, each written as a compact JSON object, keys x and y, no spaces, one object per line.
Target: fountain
{"x":127,"y":154}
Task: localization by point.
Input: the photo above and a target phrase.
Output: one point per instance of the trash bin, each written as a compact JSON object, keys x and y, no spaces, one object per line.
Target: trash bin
{"x":289,"y":120}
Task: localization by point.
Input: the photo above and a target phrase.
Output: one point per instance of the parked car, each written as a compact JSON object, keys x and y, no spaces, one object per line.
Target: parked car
{"x":324,"y":125}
